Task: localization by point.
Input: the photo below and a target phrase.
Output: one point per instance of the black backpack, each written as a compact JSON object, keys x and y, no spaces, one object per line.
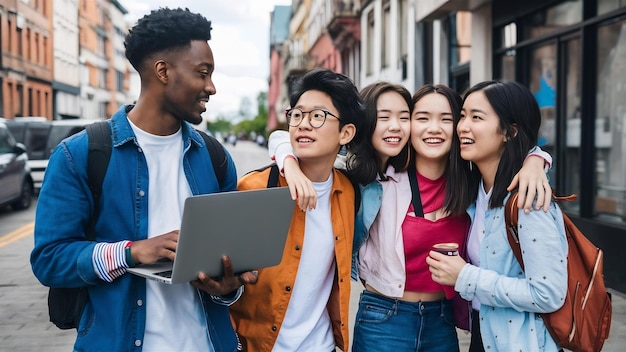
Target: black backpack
{"x":65,"y":305}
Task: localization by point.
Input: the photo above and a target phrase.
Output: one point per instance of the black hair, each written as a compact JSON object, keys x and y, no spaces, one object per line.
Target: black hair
{"x":519,"y":119}
{"x":342,"y":92}
{"x":164,"y":29}
{"x":363,"y":161}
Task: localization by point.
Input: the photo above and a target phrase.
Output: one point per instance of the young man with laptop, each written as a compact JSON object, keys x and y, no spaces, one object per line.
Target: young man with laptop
{"x":157,"y":161}
{"x":302,"y":304}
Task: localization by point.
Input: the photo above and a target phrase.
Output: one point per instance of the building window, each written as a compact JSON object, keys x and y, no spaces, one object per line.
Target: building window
{"x":403,"y":30}
{"x":572,"y":158}
{"x":36,"y":47}
{"x":37,"y":104}
{"x":11,"y":100}
{"x":19,"y":111}
{"x":370,"y":43}
{"x":385,"y":54}
{"x":20,"y":44}
{"x":610,"y":134}
{"x":101,"y":45}
{"x":102,"y":109}
{"x":553,"y":19}
{"x":10,"y":36}
{"x":604,"y":6}
{"x":120,"y":81}
{"x":102,"y":79}
{"x":462,"y":38}
{"x":30,"y":102}
{"x":543,"y":80}
{"x":506,"y":40}
{"x":45,"y":51}
{"x":28,"y":45}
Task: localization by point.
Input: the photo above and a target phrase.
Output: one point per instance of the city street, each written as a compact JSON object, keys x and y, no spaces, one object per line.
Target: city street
{"x":24,"y":322}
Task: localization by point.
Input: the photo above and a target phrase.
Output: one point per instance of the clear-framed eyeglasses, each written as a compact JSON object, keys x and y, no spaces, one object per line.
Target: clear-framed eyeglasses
{"x":317,"y":117}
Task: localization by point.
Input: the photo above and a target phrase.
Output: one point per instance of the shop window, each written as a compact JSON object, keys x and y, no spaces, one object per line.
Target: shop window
{"x":460,"y":28}
{"x":507,"y":66}
{"x":610,"y":134}
{"x":604,"y":6}
{"x":570,"y":162}
{"x":508,"y":35}
{"x":543,"y":79}
{"x":460,"y":34}
{"x":552,"y":19}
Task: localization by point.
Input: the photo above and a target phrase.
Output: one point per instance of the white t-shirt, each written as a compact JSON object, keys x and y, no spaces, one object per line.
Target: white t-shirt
{"x":477,"y":232}
{"x":307,"y":325}
{"x":175,"y":320}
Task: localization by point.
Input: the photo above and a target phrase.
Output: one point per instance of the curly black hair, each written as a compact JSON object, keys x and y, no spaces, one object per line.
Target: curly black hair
{"x":164,"y":29}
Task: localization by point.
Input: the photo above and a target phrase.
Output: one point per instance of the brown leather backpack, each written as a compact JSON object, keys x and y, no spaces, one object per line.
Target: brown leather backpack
{"x":584,"y":321}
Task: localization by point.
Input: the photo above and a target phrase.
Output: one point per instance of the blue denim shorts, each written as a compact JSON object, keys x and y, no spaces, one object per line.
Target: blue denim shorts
{"x":387,"y":324}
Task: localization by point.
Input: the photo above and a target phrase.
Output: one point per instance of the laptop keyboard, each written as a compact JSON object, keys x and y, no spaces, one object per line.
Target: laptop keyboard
{"x":166,"y":274}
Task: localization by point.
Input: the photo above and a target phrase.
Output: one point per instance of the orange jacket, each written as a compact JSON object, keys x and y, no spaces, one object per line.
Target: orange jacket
{"x":257,"y":316}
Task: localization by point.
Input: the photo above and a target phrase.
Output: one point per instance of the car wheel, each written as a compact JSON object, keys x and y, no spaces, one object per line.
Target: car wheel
{"x":26,"y":197}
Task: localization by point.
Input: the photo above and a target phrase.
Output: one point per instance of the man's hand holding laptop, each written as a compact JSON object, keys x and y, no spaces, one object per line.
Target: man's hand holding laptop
{"x":163,"y":247}
{"x":228,"y":283}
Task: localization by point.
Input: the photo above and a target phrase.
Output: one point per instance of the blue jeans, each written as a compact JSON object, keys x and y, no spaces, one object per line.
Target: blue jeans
{"x":386,"y":324}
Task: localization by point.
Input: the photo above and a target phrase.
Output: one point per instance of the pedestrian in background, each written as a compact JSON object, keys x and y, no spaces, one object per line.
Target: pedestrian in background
{"x":499,"y":123}
{"x":158,"y":160}
{"x":302,"y":304}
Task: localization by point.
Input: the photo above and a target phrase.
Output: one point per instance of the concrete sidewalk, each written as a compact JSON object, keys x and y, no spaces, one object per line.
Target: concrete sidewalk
{"x":24,"y":322}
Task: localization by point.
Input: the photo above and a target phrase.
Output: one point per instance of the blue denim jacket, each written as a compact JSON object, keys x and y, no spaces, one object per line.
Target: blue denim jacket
{"x":114,"y":318}
{"x":511,"y":299}
{"x":371,"y":200}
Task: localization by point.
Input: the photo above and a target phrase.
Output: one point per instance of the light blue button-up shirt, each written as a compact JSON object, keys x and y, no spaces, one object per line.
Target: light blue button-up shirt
{"x":511,"y":299}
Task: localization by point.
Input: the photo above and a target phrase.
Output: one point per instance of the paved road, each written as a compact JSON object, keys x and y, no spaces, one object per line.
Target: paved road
{"x":24,"y":322}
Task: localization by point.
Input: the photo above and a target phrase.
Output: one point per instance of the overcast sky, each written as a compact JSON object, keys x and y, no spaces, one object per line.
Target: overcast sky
{"x":240,"y":43}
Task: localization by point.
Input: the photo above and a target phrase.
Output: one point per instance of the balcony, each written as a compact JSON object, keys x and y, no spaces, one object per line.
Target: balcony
{"x":297,"y":64}
{"x":345,"y":23}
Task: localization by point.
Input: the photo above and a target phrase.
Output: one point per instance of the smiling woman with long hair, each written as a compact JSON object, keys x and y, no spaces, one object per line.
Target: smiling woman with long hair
{"x":499,"y":124}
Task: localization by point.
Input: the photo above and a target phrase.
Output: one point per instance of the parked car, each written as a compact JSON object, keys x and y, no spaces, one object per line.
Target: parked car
{"x":16,"y":183}
{"x":41,"y":136}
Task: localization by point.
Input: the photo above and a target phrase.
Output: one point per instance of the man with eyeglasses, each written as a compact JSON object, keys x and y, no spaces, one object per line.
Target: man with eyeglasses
{"x":302,"y":304}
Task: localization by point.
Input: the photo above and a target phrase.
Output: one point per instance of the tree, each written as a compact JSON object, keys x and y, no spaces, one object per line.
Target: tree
{"x":220,"y":125}
{"x":259,"y":123}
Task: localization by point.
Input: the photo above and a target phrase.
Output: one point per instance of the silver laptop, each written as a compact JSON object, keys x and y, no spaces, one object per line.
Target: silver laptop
{"x":248,"y":226}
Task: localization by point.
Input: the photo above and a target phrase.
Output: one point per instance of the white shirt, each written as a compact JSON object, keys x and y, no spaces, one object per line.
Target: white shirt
{"x":175,"y":320}
{"x":477,"y":232}
{"x":307,"y":325}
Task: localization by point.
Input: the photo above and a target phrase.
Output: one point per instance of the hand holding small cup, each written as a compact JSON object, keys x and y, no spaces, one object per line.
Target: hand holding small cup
{"x":444,"y":263}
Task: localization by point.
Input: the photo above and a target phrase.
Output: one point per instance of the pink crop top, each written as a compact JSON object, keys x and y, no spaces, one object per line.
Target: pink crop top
{"x":419,"y":235}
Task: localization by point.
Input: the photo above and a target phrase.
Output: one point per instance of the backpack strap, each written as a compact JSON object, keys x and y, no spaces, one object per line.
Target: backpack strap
{"x":272,"y":180}
{"x":218,"y":157}
{"x":511,"y":215}
{"x":99,"y":154}
{"x":357,"y":192}
{"x":416,"y":199}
